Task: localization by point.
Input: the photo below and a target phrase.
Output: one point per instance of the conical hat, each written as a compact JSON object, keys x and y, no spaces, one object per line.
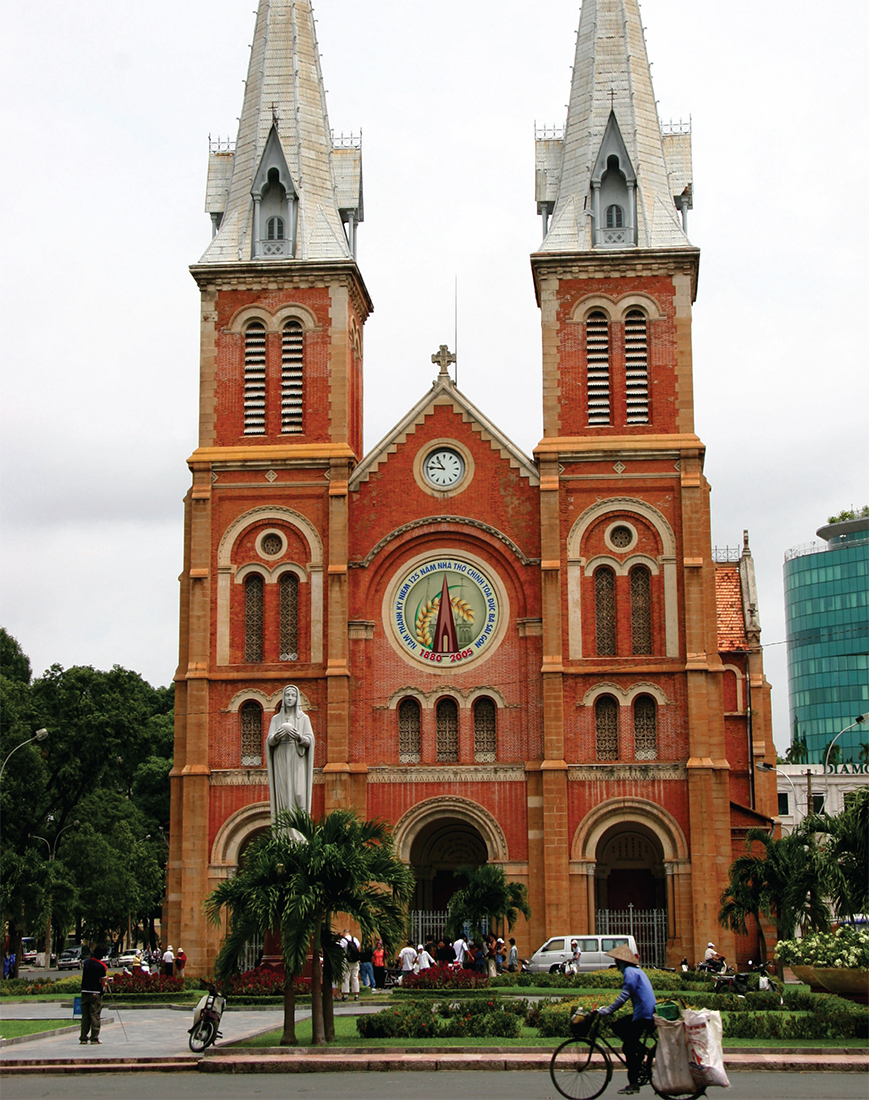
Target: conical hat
{"x":624,"y":954}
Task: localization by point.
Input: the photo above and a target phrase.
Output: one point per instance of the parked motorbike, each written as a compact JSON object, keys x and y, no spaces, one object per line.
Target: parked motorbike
{"x":206,"y":1018}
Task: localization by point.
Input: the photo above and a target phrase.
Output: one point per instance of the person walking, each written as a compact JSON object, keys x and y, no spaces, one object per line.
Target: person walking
{"x":423,"y":958}
{"x":407,"y":959}
{"x":638,"y":988}
{"x":461,"y":949}
{"x":366,"y":966}
{"x":350,"y":971}
{"x":513,"y":957}
{"x":93,"y":982}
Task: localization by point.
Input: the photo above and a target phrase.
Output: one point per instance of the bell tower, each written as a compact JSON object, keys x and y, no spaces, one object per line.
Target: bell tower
{"x":628,"y":576}
{"x":264,"y":585}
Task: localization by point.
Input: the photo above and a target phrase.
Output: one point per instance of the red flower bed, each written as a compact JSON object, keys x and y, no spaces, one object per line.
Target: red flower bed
{"x":444,"y":976}
{"x":146,"y":983}
{"x":266,"y":983}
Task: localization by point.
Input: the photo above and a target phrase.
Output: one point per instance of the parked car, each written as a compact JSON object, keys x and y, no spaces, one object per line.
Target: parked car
{"x":70,"y":959}
{"x":130,"y":959}
{"x":549,"y":958}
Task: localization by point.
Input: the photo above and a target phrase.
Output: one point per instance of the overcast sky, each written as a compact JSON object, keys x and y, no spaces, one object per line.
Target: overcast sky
{"x":106,"y":115}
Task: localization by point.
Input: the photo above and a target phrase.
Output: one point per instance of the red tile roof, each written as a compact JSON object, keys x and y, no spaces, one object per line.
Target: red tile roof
{"x":728,"y":597}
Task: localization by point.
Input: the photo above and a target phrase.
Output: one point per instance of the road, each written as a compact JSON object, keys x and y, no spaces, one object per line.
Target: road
{"x":453,"y":1085}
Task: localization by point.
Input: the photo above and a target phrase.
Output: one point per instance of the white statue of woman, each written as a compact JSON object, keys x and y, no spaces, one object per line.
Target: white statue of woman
{"x":290,"y":755}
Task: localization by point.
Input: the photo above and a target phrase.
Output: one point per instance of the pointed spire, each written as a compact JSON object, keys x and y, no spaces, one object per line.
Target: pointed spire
{"x":284,"y":96}
{"x":445,"y":638}
{"x":612,"y":106}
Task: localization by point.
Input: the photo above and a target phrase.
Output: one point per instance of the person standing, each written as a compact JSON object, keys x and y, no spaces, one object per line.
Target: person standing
{"x":378,"y":961}
{"x":168,"y":962}
{"x":461,"y":948}
{"x":93,"y":982}
{"x":638,"y":988}
{"x":366,"y":966}
{"x":513,"y":957}
{"x":350,"y":971}
{"x":180,"y":963}
{"x":423,"y":958}
{"x":407,"y":959}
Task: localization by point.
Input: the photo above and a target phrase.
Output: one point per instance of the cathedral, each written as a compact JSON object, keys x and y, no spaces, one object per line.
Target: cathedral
{"x":536,"y":661}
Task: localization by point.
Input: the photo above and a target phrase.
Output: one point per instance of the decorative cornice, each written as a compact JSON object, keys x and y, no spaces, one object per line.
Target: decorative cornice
{"x":636,"y":773}
{"x":605,"y":264}
{"x":437,"y":523}
{"x":282,"y":275}
{"x":445,"y":773}
{"x":250,"y":777}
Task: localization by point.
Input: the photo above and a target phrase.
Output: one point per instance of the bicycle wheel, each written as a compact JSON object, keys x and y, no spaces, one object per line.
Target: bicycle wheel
{"x":201,"y":1035}
{"x":580,"y":1069}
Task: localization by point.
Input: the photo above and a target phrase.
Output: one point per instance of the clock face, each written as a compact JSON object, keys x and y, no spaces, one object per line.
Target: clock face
{"x":444,"y":468}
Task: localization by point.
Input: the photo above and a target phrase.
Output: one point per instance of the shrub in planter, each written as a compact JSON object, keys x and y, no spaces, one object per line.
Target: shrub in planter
{"x":145,"y":983}
{"x":846,"y":947}
{"x":265,"y":983}
{"x":444,"y":977}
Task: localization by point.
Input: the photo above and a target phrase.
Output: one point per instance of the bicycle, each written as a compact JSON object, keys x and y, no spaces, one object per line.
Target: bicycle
{"x":582,"y":1067}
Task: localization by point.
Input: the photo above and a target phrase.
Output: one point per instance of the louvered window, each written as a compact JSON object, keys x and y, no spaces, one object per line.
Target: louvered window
{"x":597,"y":347}
{"x":605,"y":611}
{"x":275,"y":229}
{"x":408,"y":731}
{"x":615,"y":217}
{"x":637,"y":367}
{"x":645,"y":728}
{"x":641,"y":610}
{"x":253,"y":618}
{"x":485,"y":745}
{"x":448,"y":731}
{"x":289,"y":615}
{"x":251,"y":734}
{"x":606,"y":728}
{"x":292,"y":377}
{"x":255,"y":379}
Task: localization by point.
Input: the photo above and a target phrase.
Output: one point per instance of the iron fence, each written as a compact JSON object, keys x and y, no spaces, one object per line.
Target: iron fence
{"x":647,"y":926}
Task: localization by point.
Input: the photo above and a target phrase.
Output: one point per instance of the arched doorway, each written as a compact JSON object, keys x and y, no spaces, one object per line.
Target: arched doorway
{"x":629,"y":869}
{"x":437,"y":850}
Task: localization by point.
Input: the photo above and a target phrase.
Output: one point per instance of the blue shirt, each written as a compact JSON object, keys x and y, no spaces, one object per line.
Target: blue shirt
{"x":638,"y":988}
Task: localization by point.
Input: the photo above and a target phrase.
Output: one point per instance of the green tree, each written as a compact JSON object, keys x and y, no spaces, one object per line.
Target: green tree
{"x":487,"y":896}
{"x":14,"y":662}
{"x":293,"y":879}
{"x":781,"y":884}
{"x":845,"y":854}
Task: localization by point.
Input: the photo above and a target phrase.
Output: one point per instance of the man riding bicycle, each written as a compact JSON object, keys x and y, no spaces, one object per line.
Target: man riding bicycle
{"x":638,"y":989}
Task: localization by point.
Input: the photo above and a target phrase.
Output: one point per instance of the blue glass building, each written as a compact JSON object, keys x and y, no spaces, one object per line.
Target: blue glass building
{"x":827,"y":616}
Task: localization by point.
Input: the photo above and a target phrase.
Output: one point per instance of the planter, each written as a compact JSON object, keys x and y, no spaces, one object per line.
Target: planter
{"x":853,"y":984}
{"x":807,"y":975}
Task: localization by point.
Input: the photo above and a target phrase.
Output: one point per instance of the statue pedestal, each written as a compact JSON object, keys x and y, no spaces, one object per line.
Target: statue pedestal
{"x":273,"y":958}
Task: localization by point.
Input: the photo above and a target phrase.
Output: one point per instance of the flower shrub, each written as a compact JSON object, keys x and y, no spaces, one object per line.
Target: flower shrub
{"x":26,"y":987}
{"x":480,"y":1019}
{"x":664,"y":980}
{"x":413,"y":1020}
{"x":444,"y":977}
{"x":140,"y":982}
{"x":517,"y":1006}
{"x":265,"y":983}
{"x":846,"y":947}
{"x":497,"y":1023}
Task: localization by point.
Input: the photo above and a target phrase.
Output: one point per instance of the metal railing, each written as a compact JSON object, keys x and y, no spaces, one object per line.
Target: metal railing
{"x":647,"y":926}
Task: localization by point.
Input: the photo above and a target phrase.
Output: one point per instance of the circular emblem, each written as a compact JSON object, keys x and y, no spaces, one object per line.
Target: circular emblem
{"x":445,"y":612}
{"x":444,"y":468}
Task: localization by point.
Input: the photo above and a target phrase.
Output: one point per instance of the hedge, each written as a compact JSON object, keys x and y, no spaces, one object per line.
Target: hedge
{"x":469,"y":1020}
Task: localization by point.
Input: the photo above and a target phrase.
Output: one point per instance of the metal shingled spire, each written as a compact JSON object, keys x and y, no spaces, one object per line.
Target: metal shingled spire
{"x":284,"y":87}
{"x":611,"y":75}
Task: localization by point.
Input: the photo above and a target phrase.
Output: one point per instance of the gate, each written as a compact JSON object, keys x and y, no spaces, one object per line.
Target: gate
{"x":647,"y":926}
{"x":425,"y":925}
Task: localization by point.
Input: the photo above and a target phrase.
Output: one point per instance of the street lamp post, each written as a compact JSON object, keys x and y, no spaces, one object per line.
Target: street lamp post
{"x":764,"y":767}
{"x":858,"y":721}
{"x":52,"y":852}
{"x":40,"y":735}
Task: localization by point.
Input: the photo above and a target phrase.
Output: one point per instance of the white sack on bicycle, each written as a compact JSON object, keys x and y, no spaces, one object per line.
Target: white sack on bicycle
{"x":703,"y":1032}
{"x":671,"y":1071}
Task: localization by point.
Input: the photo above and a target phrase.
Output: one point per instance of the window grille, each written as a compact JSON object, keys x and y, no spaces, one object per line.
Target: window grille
{"x":641,"y":610}
{"x":597,"y":347}
{"x":485,"y":744}
{"x":645,"y":728}
{"x":448,"y":731}
{"x":605,"y":611}
{"x":253,"y":618}
{"x":408,"y":731}
{"x":636,"y":368}
{"x":606,"y":728}
{"x":292,"y":379}
{"x":620,"y":537}
{"x":615,"y":217}
{"x":255,"y":379}
{"x":275,"y":229}
{"x":251,"y":734}
{"x":289,"y":616}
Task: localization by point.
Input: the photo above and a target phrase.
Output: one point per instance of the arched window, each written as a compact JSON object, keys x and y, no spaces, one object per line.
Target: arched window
{"x":292,"y":377}
{"x":641,"y":610}
{"x":408,"y":731}
{"x":485,"y":742}
{"x":636,"y":367}
{"x":275,"y":229}
{"x":253,"y":618}
{"x":606,"y":728}
{"x":605,"y":611}
{"x":448,"y":731}
{"x":255,"y":379}
{"x":645,"y":728}
{"x":289,"y":616}
{"x":251,"y":716}
{"x":615,"y":217}
{"x":597,"y":355}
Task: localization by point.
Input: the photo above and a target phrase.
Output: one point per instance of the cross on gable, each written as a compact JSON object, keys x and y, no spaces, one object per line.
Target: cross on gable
{"x":443,"y":358}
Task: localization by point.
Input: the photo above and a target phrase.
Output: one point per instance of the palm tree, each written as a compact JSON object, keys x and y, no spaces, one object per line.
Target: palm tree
{"x":845,"y":854}
{"x":488,"y":896}
{"x":340,"y":864}
{"x":782,"y":884}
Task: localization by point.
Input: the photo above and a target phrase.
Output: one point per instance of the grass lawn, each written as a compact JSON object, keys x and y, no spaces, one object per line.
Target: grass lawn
{"x":11,"y":1029}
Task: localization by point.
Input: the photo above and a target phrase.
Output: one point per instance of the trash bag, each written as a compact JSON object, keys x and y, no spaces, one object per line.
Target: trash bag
{"x":671,"y":1071}
{"x":703,"y":1033}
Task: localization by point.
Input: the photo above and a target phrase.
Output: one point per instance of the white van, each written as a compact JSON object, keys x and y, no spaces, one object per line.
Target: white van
{"x":548,"y":958}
